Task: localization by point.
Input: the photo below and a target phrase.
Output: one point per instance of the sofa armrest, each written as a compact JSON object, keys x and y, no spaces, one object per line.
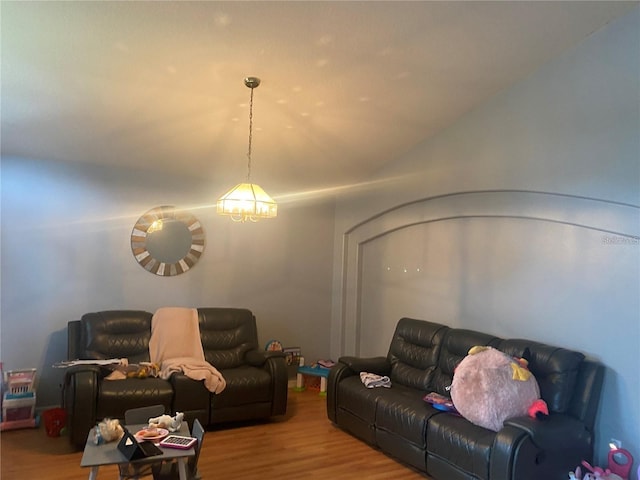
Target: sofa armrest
{"x":530,"y":448}
{"x":275,"y":363}
{"x":80,"y":393}
{"x":257,"y":358}
{"x":348,"y":367}
{"x":377,"y":365}
{"x":73,"y":369}
{"x":553,"y":431}
{"x":74,"y":332}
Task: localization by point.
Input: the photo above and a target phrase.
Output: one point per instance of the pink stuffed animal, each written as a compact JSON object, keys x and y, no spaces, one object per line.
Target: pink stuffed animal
{"x":490,"y":386}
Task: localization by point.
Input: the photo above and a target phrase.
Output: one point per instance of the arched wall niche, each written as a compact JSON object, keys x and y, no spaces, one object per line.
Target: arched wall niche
{"x":568,"y":221}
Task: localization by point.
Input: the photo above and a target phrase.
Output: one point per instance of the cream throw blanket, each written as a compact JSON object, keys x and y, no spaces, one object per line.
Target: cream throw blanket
{"x":175,"y":345}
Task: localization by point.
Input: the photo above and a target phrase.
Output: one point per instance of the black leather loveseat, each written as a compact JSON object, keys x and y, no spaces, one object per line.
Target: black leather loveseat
{"x":256,"y":381}
{"x":421,"y":359}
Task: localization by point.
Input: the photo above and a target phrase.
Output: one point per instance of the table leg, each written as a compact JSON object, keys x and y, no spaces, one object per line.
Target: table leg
{"x":93,"y":473}
{"x":182,"y":468}
{"x":299,"y":383}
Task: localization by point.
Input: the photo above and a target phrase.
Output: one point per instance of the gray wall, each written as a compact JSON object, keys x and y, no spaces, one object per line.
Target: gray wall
{"x":66,"y":251}
{"x":522,"y":220}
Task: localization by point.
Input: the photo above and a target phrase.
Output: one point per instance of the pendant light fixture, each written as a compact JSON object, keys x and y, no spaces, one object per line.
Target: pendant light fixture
{"x":247,"y":201}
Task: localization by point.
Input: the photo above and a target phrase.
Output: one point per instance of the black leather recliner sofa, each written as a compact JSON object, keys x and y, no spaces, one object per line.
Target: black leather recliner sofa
{"x":421,"y":359}
{"x":256,"y":379}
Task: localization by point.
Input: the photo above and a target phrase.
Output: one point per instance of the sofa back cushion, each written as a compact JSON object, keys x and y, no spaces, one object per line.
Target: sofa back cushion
{"x":556,"y":370}
{"x":115,"y":334}
{"x":455,"y":346}
{"x":414,"y":351}
{"x":227,"y":334}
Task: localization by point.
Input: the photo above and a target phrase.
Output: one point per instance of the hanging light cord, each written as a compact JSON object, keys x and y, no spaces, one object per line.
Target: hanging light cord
{"x":250,"y":137}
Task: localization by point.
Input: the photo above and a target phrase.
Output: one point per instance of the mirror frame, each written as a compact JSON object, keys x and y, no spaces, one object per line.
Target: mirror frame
{"x":154,"y":265}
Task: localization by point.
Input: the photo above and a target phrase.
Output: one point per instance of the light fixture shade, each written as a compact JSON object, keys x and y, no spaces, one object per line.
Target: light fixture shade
{"x":247,"y":201}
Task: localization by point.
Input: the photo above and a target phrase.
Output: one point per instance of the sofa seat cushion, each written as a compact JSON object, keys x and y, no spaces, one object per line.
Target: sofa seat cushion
{"x":245,"y":385}
{"x":402,"y":411}
{"x":117,"y":396}
{"x":358,"y":400}
{"x":455,"y":440}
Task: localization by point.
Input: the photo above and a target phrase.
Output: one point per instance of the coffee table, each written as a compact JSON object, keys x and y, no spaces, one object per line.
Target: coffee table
{"x":95,"y":456}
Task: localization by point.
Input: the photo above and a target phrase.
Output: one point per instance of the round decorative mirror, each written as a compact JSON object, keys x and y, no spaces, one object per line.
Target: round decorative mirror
{"x":167,"y":241}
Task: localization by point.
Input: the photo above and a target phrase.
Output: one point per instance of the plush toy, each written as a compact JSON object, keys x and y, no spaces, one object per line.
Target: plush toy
{"x":596,"y":473}
{"x":165,"y":421}
{"x":107,"y":431}
{"x":490,"y":386}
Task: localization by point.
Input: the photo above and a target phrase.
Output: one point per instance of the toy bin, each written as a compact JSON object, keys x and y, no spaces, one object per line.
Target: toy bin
{"x":18,"y":406}
{"x":20,"y":381}
{"x":18,"y":399}
{"x":54,"y":421}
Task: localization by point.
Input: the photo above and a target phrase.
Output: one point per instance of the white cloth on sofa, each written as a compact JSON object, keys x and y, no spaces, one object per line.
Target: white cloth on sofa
{"x":175,"y":345}
{"x":371,"y":380}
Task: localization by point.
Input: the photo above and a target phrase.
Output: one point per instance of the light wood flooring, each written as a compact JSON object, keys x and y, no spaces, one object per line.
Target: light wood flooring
{"x":301,"y":445}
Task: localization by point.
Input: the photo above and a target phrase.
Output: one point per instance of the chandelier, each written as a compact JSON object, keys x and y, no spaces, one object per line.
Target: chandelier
{"x":247,"y":201}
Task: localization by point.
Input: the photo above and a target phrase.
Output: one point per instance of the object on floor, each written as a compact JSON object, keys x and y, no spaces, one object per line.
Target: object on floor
{"x":316,"y":371}
{"x":19,"y":400}
{"x":55,"y":420}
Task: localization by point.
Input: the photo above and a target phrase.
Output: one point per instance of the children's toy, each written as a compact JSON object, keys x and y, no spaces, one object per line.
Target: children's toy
{"x":315,"y":371}
{"x":107,"y":431}
{"x":326,"y":363}
{"x":490,"y":386}
{"x":54,"y":421}
{"x":538,"y":409}
{"x":168,"y":422}
{"x":617,"y":468}
{"x":598,"y":473}
{"x":440,"y":402}
{"x":273,"y":346}
{"x":134,"y":370}
{"x":618,"y":472}
{"x":19,"y":400}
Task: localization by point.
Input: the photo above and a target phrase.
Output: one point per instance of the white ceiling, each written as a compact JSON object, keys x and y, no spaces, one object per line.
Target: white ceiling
{"x":346,"y":86}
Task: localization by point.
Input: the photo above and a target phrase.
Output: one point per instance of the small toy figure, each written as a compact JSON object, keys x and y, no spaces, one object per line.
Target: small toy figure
{"x":165,"y":421}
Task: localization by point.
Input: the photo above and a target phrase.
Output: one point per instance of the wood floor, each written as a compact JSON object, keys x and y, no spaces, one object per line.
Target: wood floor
{"x":301,"y":445}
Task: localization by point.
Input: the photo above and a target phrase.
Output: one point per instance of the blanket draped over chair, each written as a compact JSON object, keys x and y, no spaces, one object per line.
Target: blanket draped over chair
{"x":176,"y":346}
